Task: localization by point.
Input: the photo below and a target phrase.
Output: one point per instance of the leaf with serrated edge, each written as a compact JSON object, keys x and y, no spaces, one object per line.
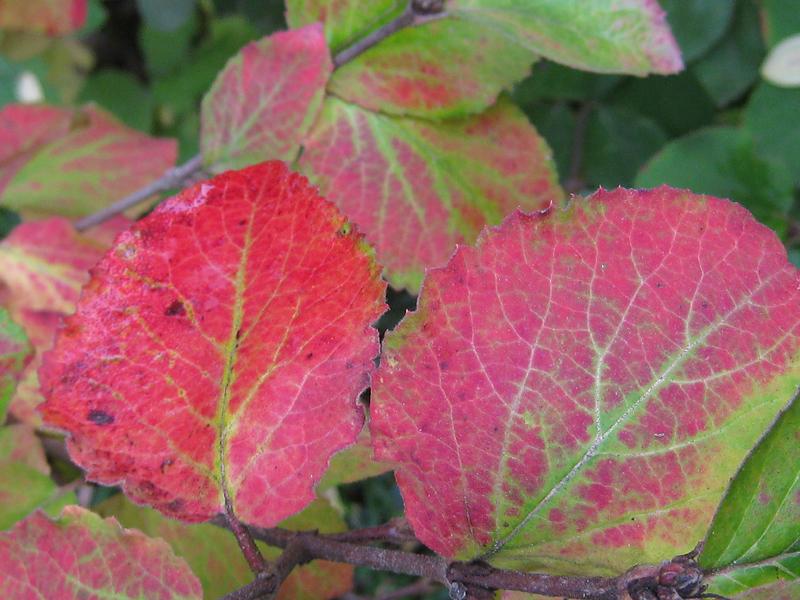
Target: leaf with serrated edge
{"x":265,"y":100}
{"x":53,"y":17}
{"x":574,"y":393}
{"x":218,"y":352}
{"x":98,"y":161}
{"x":15,"y":353}
{"x":754,"y":541}
{"x":82,"y":555}
{"x":457,"y":64}
{"x":418,"y":188}
{"x":214,"y":556}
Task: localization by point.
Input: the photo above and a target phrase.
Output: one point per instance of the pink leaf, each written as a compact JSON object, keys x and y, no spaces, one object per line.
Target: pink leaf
{"x":574,"y":393}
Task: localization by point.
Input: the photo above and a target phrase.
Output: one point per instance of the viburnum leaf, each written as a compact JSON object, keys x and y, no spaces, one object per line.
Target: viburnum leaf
{"x":217,"y":354}
{"x":96,"y":162}
{"x":18,"y":443}
{"x":44,"y":264}
{"x":574,"y":393}
{"x":214,"y":556}
{"x":264,"y":101}
{"x":15,"y":353}
{"x":53,"y":17}
{"x":458,"y":63}
{"x":84,"y":556}
{"x":754,"y":541}
{"x":353,"y":464}
{"x":417,"y":188}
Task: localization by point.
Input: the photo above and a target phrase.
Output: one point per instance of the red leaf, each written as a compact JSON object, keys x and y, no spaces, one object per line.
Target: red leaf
{"x":83,"y":556}
{"x":53,"y":17}
{"x":265,"y":100}
{"x":97,"y":160}
{"x":417,"y":188}
{"x":219,"y":349}
{"x":575,"y":392}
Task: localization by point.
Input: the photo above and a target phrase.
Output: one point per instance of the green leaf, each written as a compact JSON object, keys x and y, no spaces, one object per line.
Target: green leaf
{"x":618,"y":142}
{"x":779,"y":19}
{"x":732,"y":65}
{"x":754,"y":541}
{"x":556,"y":124}
{"x":15,"y":352}
{"x":698,"y":24}
{"x":165,"y":16}
{"x":551,"y":81}
{"x":165,"y":51}
{"x":122,"y":94}
{"x":771,"y":118}
{"x":24,"y":475}
{"x":722,"y":161}
{"x":214,"y":556}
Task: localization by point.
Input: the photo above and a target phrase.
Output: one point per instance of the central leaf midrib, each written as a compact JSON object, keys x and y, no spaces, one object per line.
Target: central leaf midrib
{"x":223,"y":416}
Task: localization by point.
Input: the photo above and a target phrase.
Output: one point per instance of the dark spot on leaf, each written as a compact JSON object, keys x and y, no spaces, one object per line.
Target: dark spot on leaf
{"x":309,"y":356}
{"x":238,"y":334}
{"x":242,"y":222}
{"x":659,"y":284}
{"x":443,"y":365}
{"x":175,"y":505}
{"x":100,"y":417}
{"x":174,"y":309}
{"x":165,"y":463}
{"x":348,"y":365}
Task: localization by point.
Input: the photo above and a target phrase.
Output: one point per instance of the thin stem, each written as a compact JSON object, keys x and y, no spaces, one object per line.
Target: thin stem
{"x":248,"y":546}
{"x":172,"y":178}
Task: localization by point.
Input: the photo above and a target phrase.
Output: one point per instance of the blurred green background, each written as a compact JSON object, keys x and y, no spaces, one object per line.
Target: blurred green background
{"x":718,"y":127}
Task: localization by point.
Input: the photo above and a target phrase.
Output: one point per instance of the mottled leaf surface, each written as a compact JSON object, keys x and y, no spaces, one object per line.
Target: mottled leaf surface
{"x":575,"y":393}
{"x":96,"y":162}
{"x":44,"y":264}
{"x":755,"y":536}
{"x":443,"y":68}
{"x":217,"y":353}
{"x":15,"y":353}
{"x":416,"y":188}
{"x":84,"y":556}
{"x":345,"y":21}
{"x":53,"y":17}
{"x":214,"y":556}
{"x":264,"y":101}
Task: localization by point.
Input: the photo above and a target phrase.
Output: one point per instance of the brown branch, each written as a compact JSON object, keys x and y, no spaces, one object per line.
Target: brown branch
{"x":172,"y":178}
{"x":396,"y":531}
{"x":475,"y":580}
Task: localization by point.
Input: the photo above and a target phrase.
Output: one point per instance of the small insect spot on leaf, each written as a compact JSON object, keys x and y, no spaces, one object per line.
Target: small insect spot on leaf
{"x":100,"y":417}
{"x":344,"y":230}
{"x":175,"y":309}
{"x":166,"y":463}
{"x":309,"y":356}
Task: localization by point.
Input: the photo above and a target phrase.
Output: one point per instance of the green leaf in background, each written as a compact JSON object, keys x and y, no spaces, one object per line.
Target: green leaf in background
{"x":618,"y":142}
{"x":122,"y":94}
{"x":678,"y":104}
{"x":165,"y":16}
{"x":731,"y":66}
{"x":772,"y":117}
{"x":15,"y":353}
{"x":24,"y":475}
{"x":722,"y":161}
{"x":697,"y":24}
{"x":556,"y":123}
{"x":754,"y":541}
{"x":214,"y":556}
{"x":779,"y":19}
{"x":165,"y":51}
{"x":551,"y":81}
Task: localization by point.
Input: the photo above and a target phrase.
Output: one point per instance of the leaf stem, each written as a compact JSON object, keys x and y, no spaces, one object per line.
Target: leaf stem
{"x":248,"y":546}
{"x":174,"y":177}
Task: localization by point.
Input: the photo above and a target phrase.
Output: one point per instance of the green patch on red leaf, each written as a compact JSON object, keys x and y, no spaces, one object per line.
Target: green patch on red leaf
{"x":353,"y":464}
{"x":15,"y":353}
{"x":52,"y":17}
{"x":417,"y":188}
{"x":82,"y":555}
{"x":217,"y":354}
{"x":265,"y":100}
{"x":754,"y":542}
{"x":215,"y":557}
{"x":93,"y":161}
{"x":575,"y":393}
